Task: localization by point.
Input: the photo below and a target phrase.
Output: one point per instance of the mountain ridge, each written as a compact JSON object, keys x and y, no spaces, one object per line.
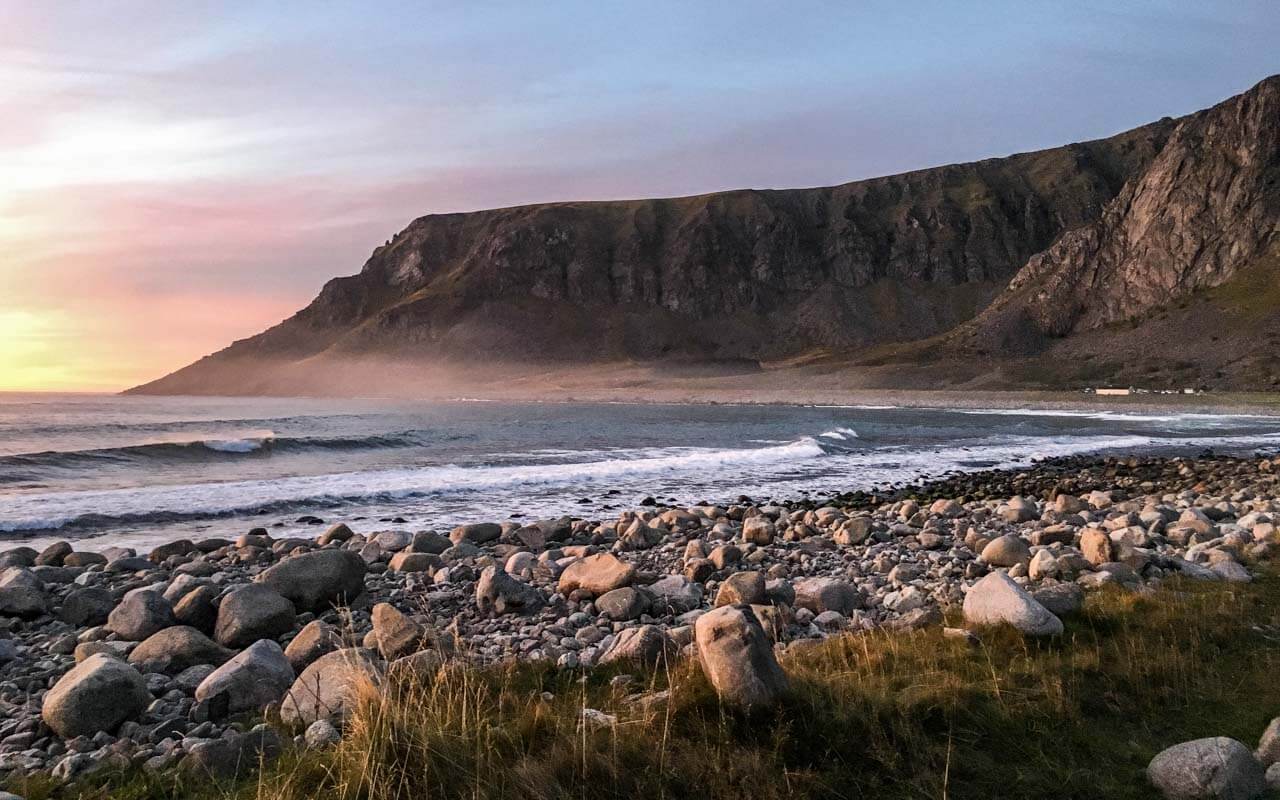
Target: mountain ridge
{"x":751,"y":276}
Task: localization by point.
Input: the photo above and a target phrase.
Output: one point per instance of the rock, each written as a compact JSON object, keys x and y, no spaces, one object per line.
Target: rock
{"x":622,"y":605}
{"x":737,"y":657}
{"x":252,"y":612}
{"x":1061,"y":598}
{"x":828,"y":594}
{"x":1043,"y":565}
{"x":233,"y":756}
{"x":96,"y":695}
{"x":758,"y":530}
{"x":396,"y":634}
{"x":54,"y":554}
{"x":996,"y":599}
{"x":336,"y":534}
{"x":742,"y":588}
{"x":1095,"y":544}
{"x":415,"y":562}
{"x":648,"y":645}
{"x":197,"y":609}
{"x":1006,"y":551}
{"x":596,"y":575}
{"x":314,"y":640}
{"x":639,"y":536}
{"x":429,"y":542}
{"x":1268,"y":752}
{"x":476,"y":533}
{"x":1231,"y":571}
{"x":1216,"y":767}
{"x":421,"y":664}
{"x":330,"y":687}
{"x":321,"y":733}
{"x":139,"y":615}
{"x":161,"y":553}
{"x":674,"y":594}
{"x":315,"y":581}
{"x":257,"y":676}
{"x":174,"y":649}
{"x":499,"y":593}
{"x":21,"y":593}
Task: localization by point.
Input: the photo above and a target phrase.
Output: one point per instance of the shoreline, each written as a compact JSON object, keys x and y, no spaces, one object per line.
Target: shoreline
{"x":586,"y":594}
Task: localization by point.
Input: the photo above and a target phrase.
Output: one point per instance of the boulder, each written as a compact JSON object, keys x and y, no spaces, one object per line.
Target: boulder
{"x":1095,"y":545}
{"x":331,"y":686}
{"x":97,"y":695}
{"x":1006,"y":551}
{"x":1061,"y":598}
{"x":429,"y":542}
{"x":259,"y":675}
{"x":161,"y":553}
{"x":85,"y":607}
{"x":675,"y":594}
{"x":1268,"y":751}
{"x":336,"y":534}
{"x":1216,"y":767}
{"x":21,"y":593}
{"x":742,"y":588}
{"x":197,"y":609}
{"x":646,"y":645}
{"x":233,"y":756}
{"x":758,"y":530}
{"x":622,"y":605}
{"x":499,"y":593}
{"x":415,"y":562}
{"x":314,"y":640}
{"x":396,"y":634}
{"x":252,"y":612}
{"x":53,"y":555}
{"x":828,"y":594}
{"x":737,"y":657}
{"x":314,"y":581}
{"x":596,"y":575}
{"x":996,"y":600}
{"x":174,"y":649}
{"x":139,"y":615}
{"x":476,"y":533}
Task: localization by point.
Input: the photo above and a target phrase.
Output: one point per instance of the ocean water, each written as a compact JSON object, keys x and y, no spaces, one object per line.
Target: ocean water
{"x":106,"y":470}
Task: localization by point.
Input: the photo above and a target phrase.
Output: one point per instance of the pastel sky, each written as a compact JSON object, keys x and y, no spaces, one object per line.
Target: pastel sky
{"x":176,"y":175}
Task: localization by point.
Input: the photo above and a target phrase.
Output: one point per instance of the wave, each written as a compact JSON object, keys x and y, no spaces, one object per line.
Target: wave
{"x":56,"y":510}
{"x":842,"y":434}
{"x":263,"y":443}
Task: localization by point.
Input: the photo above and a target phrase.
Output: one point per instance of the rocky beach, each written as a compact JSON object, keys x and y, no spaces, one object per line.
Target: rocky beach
{"x":212,"y":656}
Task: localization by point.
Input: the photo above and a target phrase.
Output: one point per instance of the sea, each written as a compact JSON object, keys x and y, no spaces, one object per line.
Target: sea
{"x":106,"y":470}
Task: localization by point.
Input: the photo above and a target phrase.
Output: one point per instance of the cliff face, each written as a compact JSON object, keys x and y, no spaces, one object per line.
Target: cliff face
{"x":1204,"y":210}
{"x":1064,"y":241}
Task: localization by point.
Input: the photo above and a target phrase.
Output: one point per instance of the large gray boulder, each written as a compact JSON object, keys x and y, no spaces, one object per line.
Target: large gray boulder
{"x":234,"y":755}
{"x":828,"y":594}
{"x":140,"y":614}
{"x":737,"y":657}
{"x":21,"y":593}
{"x":1217,"y":767}
{"x":675,"y":594}
{"x":175,"y":649}
{"x":88,"y":606}
{"x":499,"y":593}
{"x":315,"y":581}
{"x":596,"y":575}
{"x":259,"y":675}
{"x":96,"y":695}
{"x":997,"y":600}
{"x":252,"y":612}
{"x":1006,"y":551}
{"x":331,"y":686}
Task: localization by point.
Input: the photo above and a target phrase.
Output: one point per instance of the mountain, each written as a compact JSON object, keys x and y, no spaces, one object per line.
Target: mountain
{"x":963,"y":271}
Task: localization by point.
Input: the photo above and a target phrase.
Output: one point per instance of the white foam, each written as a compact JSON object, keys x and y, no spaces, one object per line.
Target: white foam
{"x":843,"y":434}
{"x":56,"y":509}
{"x":236,"y":445}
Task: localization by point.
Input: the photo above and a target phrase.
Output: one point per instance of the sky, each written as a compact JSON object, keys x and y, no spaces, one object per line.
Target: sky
{"x":175,"y":176}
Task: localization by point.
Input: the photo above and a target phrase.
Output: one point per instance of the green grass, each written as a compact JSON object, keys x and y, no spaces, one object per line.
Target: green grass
{"x":880,"y":715}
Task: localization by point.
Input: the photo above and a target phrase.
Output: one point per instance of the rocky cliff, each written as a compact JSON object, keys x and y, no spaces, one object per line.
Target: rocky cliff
{"x":1203,"y":211}
{"x":1063,"y":241}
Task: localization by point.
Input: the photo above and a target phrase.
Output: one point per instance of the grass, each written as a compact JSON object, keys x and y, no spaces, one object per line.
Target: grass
{"x":879,"y":715}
